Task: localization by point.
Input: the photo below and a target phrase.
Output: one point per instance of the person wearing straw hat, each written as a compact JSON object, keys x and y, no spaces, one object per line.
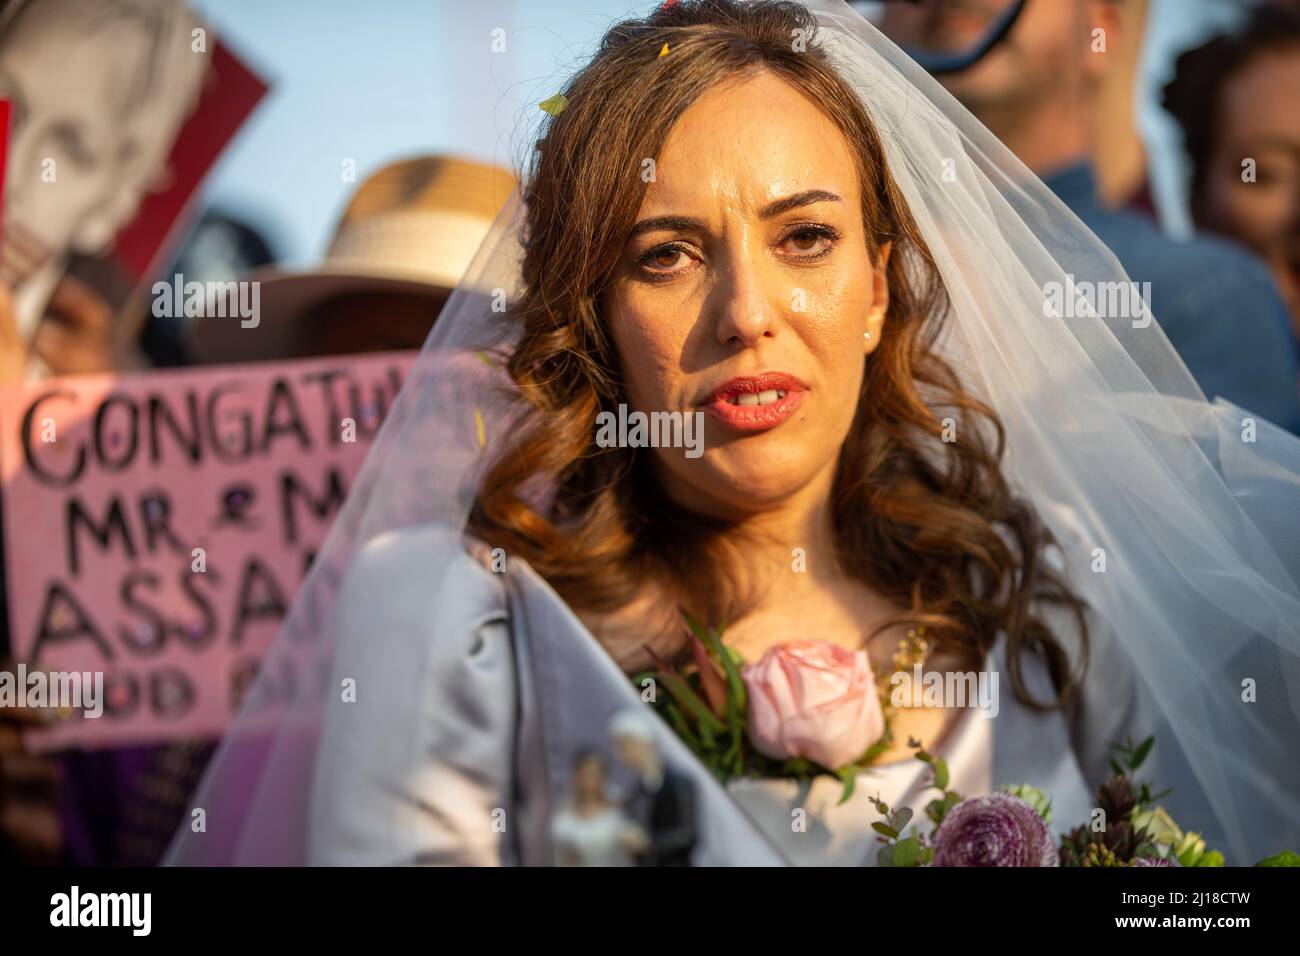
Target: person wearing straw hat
{"x":404,"y":242}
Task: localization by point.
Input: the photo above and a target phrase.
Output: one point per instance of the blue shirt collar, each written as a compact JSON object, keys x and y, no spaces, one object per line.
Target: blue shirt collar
{"x":1074,"y":185}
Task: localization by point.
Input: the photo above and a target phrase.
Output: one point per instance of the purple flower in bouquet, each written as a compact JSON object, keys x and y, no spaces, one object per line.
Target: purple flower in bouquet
{"x":997,"y":830}
{"x":1152,"y":861}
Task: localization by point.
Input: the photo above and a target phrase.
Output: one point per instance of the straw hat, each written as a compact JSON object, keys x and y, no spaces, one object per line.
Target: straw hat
{"x":413,"y":227}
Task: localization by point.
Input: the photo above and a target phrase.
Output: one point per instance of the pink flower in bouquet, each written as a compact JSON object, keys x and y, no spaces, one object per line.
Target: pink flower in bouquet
{"x":814,"y":700}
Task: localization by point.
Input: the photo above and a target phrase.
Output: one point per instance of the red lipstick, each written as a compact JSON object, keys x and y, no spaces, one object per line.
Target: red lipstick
{"x":758,"y":402}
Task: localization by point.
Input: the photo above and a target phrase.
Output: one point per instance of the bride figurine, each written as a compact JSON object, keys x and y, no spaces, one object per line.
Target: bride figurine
{"x":827,"y":291}
{"x":590,"y":829}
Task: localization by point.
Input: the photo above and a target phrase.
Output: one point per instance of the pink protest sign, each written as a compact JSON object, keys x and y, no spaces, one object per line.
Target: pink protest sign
{"x":157,"y":526}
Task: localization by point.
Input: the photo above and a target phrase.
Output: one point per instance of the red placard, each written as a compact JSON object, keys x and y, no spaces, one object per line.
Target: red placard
{"x":230,"y":91}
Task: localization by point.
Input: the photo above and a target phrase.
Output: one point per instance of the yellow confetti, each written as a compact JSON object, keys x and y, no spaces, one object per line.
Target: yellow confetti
{"x":486,"y":359}
{"x":479,"y":429}
{"x":664,"y":52}
{"x":555,"y":105}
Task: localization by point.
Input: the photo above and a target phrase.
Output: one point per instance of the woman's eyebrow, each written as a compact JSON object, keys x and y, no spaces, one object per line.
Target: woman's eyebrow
{"x":805,"y":198}
{"x":670,"y":223}
{"x":1280,"y":143}
{"x":774,"y":208}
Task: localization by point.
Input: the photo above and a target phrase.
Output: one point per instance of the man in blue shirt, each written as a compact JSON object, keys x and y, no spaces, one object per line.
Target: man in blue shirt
{"x":1215,"y":301}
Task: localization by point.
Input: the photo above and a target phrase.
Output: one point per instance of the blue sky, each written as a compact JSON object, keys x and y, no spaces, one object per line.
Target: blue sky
{"x":377,"y":81}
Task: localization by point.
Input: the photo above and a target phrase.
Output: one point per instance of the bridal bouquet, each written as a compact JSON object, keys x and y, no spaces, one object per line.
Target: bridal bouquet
{"x":808,"y":708}
{"x":1011,"y":827}
{"x":804,"y":709}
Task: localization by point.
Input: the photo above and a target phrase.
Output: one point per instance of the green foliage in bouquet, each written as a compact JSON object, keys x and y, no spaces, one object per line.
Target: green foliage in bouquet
{"x":899,"y":850}
{"x":1133,"y":827}
{"x":913,"y":849}
{"x":1036,"y":798}
{"x":707,"y":705}
{"x":1285,"y":858}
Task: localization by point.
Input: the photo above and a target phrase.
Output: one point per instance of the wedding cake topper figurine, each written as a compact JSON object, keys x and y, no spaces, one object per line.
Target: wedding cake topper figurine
{"x":714,"y":213}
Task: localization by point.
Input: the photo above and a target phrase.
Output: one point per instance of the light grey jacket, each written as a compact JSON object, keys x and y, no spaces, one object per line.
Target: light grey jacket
{"x":475,"y":692}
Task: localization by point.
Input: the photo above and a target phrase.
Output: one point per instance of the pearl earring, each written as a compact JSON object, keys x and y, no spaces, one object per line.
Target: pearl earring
{"x":866,"y":335}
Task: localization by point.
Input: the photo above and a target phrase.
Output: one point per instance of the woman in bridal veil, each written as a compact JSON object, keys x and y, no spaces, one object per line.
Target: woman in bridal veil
{"x":730,"y":189}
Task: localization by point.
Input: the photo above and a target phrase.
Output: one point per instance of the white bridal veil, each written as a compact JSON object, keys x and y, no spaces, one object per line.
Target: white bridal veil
{"x":1179,"y":518}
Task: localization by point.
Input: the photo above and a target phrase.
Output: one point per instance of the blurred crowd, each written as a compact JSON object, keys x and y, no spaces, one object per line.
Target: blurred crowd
{"x":87,"y":148}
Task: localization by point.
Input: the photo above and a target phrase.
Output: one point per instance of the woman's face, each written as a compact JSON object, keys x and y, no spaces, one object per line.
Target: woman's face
{"x":1258,"y":120}
{"x":744,"y":294}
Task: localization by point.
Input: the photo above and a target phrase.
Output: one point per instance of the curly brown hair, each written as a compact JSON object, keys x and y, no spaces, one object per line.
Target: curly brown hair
{"x":929,"y":524}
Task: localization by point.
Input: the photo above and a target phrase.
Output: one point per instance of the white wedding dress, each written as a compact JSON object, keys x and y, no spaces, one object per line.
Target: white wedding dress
{"x":591,"y":840}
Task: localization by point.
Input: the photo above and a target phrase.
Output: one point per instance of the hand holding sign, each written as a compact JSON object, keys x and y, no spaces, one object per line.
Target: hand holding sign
{"x":30,"y":830}
{"x":75,"y":337}
{"x":13,"y":354}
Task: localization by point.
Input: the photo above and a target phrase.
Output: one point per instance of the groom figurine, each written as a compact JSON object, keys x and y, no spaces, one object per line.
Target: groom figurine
{"x":662,"y":801}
